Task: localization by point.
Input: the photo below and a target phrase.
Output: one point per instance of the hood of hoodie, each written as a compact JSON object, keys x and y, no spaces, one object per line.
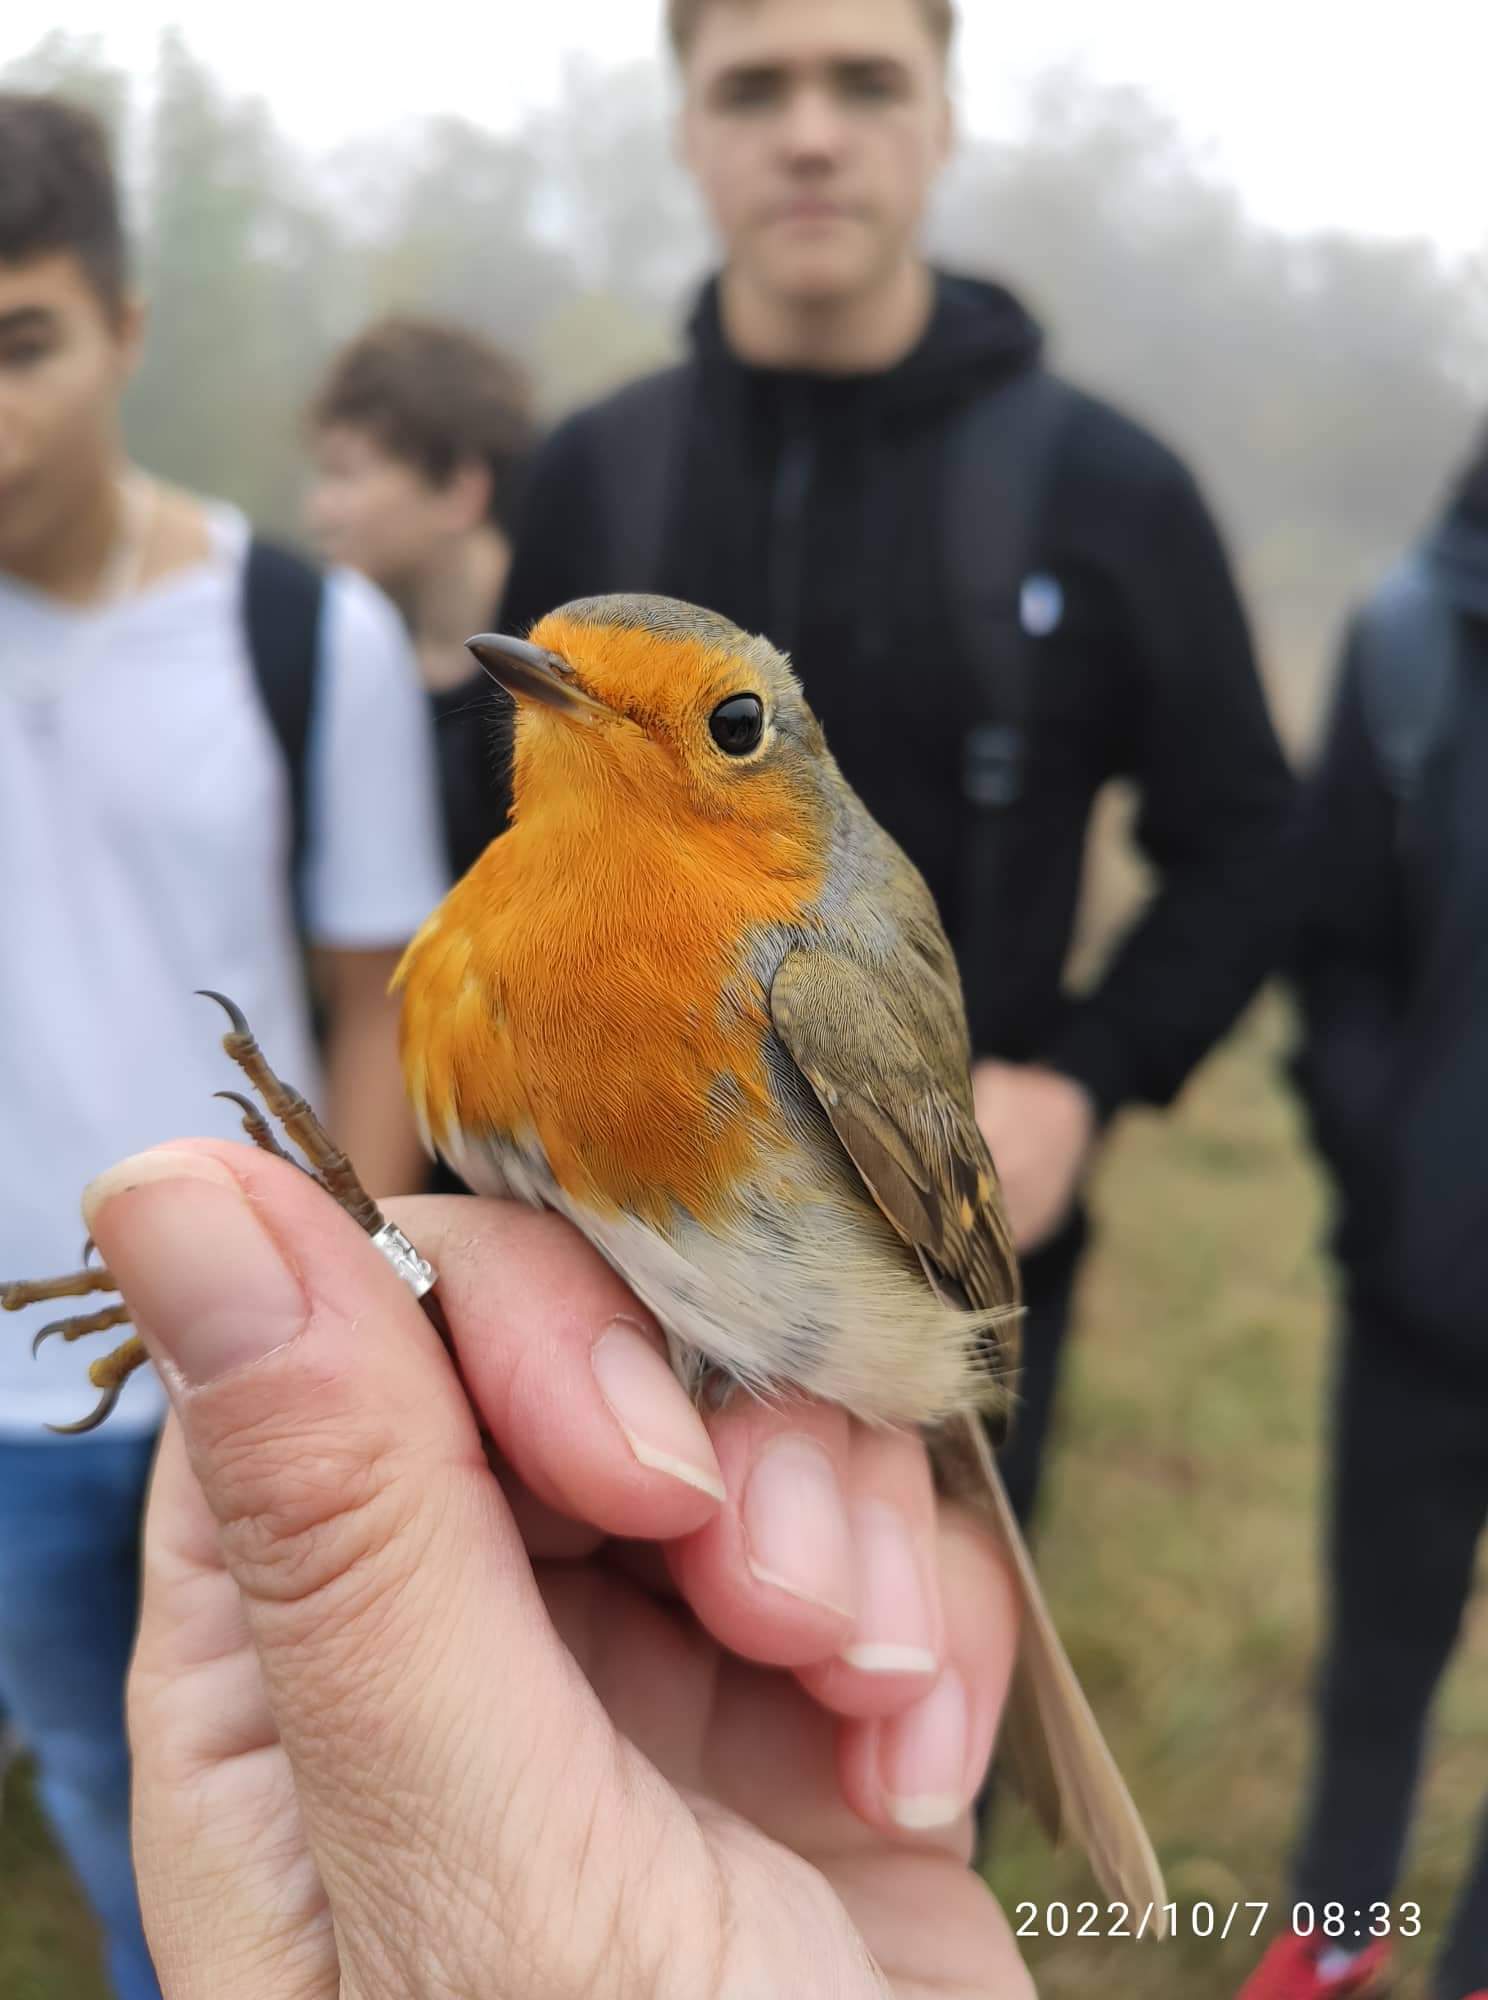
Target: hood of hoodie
{"x":801,"y":482}
{"x":979,"y":334}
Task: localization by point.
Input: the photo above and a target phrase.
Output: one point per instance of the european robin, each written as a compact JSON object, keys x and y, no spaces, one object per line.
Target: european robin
{"x":699,"y":1002}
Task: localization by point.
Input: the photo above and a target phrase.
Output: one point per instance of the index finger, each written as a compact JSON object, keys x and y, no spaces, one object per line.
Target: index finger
{"x":567,"y":1371}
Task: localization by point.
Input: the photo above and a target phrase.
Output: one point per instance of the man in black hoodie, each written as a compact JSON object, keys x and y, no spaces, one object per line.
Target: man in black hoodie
{"x":1393,"y":978}
{"x":806,"y":473}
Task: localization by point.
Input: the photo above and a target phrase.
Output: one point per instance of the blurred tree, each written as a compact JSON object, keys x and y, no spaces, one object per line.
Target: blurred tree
{"x":236,"y":256}
{"x":451,"y":224}
{"x":1323,"y":387}
{"x":607,"y":156}
{"x":74,"y":66}
{"x":595,"y":342}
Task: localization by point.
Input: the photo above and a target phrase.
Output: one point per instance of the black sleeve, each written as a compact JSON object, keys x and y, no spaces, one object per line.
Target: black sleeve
{"x":471,"y":742}
{"x":1217,"y":815}
{"x":1350,"y":958}
{"x":558,"y":539}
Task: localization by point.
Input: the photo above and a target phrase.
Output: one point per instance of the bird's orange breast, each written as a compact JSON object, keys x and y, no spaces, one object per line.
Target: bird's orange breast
{"x":587,"y":985}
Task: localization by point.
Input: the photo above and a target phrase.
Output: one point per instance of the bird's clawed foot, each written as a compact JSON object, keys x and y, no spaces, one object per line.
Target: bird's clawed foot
{"x":328,"y":1165}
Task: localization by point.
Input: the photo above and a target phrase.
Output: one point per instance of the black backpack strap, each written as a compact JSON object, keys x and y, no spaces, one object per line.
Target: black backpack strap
{"x":283,"y":596}
{"x":1407,"y":641}
{"x":642,"y":435}
{"x":1005,"y":451}
{"x":1006,"y":447}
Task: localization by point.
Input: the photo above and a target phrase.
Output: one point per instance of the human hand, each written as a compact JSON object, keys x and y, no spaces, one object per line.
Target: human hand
{"x":1040,"y":1129}
{"x":403,"y":1730}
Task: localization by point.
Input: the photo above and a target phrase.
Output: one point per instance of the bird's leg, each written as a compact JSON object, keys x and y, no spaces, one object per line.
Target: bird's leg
{"x":110,"y":1372}
{"x":328,"y":1163}
{"x":709,"y":1386}
{"x":81,"y":1324}
{"x":40,"y":1291}
{"x":259,"y":1129}
{"x":328,"y":1166}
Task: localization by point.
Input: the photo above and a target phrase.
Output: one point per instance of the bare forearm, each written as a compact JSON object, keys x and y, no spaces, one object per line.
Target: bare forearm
{"x":365,"y":1101}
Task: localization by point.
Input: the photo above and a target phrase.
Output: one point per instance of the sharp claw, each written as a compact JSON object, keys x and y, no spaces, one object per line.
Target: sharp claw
{"x":233,"y":1012}
{"x":57,"y":1326}
{"x":90,"y":1251}
{"x":245,"y":1104}
{"x":95,"y":1417}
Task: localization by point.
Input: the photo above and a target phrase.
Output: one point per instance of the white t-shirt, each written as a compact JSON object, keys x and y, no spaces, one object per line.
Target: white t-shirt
{"x":144,"y":839}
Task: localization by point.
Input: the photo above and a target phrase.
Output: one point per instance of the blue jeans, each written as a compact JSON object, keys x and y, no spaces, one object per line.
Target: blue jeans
{"x":69,"y":1551}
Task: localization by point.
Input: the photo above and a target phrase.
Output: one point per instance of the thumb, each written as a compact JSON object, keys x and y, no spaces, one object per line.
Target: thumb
{"x":419,"y":1690}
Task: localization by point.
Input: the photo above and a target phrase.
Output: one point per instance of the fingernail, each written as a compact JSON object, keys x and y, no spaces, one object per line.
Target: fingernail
{"x":650,"y":1405}
{"x":206,"y":1281}
{"x":922,"y":1758}
{"x":895,"y":1631}
{"x":796,"y":1532}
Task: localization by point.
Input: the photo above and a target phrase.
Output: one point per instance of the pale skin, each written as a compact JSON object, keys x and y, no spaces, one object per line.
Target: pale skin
{"x":1040,"y":1128}
{"x":65,"y":359}
{"x":816,"y":130}
{"x":366,"y":1105}
{"x":431,"y":546}
{"x":403,"y":1729}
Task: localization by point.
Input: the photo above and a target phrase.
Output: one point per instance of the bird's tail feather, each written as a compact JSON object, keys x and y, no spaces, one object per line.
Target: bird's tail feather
{"x":1060,"y":1760}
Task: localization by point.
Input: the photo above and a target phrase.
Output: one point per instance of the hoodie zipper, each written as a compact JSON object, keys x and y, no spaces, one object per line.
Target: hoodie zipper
{"x":788,"y":497}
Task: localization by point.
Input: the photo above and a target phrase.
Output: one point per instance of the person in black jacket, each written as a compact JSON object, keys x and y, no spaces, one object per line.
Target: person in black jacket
{"x":1393,"y":980}
{"x":807,"y":476}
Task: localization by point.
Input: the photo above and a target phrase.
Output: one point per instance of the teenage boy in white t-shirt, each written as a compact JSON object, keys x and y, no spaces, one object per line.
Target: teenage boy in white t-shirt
{"x":150,"y":845}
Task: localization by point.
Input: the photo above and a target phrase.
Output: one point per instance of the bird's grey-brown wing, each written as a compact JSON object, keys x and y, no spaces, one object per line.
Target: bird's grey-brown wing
{"x":887,"y":1064}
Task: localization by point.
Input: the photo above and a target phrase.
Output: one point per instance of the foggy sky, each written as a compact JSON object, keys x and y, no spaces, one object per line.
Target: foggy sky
{"x":1322,"y":112}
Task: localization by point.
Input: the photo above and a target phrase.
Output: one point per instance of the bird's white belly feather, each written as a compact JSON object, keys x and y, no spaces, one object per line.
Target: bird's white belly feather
{"x":801,"y":1289}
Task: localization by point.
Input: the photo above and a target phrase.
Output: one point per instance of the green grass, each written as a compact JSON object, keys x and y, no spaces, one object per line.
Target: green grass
{"x":1178,"y":1544}
{"x":1179,"y":1538}
{"x":47,"y":1945}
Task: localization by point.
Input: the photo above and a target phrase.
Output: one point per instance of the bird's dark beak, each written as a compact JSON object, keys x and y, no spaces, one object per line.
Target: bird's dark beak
{"x":528,"y":673}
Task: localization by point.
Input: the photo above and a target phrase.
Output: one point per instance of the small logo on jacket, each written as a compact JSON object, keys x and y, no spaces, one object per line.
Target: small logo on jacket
{"x":1040,"y":604}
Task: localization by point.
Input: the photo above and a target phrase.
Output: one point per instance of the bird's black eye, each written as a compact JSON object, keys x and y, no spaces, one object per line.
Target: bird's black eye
{"x":738,"y":724}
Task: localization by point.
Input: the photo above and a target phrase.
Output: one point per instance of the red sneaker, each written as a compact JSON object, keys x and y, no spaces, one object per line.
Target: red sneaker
{"x":1289,"y":1971}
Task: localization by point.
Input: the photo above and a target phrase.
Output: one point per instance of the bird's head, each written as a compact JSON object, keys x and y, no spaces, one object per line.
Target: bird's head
{"x":651,"y":708}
